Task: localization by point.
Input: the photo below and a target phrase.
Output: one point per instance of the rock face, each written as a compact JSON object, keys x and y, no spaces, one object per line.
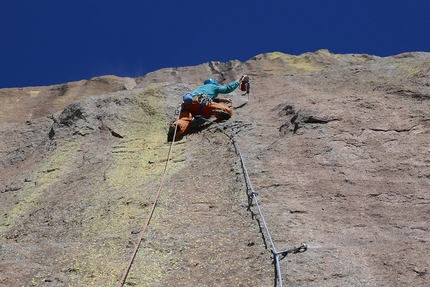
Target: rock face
{"x":26,"y":104}
{"x":336,"y":146}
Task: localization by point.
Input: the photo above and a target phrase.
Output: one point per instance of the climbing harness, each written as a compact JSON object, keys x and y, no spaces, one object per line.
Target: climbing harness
{"x":252,"y":195}
{"x":203,"y":100}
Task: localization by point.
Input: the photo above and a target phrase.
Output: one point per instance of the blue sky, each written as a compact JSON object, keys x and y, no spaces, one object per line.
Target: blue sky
{"x":48,"y":42}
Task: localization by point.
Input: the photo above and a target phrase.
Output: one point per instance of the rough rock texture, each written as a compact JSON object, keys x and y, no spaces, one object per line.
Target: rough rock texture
{"x":25,"y":104}
{"x":336,"y":147}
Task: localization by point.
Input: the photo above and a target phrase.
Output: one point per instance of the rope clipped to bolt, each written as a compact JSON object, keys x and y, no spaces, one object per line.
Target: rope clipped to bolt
{"x":301,"y":248}
{"x":254,"y":194}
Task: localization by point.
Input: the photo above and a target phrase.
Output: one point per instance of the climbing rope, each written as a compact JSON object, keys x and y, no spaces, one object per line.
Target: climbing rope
{"x":302,"y":248}
{"x":127,"y":270}
{"x":276,"y":254}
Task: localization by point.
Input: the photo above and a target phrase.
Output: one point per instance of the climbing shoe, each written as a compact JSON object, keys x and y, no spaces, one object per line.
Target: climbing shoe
{"x":171,"y":132}
{"x":221,"y":115}
{"x":197,"y":122}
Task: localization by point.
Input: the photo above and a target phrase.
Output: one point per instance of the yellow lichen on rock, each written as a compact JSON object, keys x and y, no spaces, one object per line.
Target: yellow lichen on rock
{"x":50,"y":172}
{"x":298,"y":65}
{"x":118,"y":209}
{"x":34,"y":94}
{"x":411,"y":70}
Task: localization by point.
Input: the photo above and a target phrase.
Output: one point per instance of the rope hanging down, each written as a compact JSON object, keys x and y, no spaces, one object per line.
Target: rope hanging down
{"x":124,"y":276}
{"x":276,"y":254}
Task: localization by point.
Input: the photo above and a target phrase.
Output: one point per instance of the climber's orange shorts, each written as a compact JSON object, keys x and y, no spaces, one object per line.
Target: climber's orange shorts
{"x":189,"y":111}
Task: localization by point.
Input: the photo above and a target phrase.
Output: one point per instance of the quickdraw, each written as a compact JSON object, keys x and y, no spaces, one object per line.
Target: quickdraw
{"x":302,"y":248}
{"x":203,"y":99}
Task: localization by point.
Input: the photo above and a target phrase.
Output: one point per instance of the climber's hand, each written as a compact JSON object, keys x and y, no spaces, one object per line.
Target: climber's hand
{"x":244,"y":79}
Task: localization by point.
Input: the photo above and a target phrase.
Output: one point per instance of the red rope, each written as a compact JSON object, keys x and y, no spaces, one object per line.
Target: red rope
{"x":124,"y":276}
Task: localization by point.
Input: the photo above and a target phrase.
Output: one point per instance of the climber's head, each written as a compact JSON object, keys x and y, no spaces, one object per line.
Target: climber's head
{"x":211,"y":81}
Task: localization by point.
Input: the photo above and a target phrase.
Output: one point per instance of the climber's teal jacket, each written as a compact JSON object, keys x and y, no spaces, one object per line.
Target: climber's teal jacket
{"x":213,"y":90}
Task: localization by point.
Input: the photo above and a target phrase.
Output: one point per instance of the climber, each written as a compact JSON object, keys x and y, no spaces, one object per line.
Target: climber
{"x":203,"y":103}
